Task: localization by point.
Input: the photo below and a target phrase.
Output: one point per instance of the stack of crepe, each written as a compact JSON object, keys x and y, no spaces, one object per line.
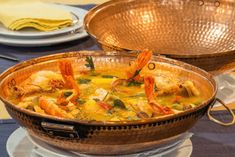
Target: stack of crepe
{"x":19,"y":14}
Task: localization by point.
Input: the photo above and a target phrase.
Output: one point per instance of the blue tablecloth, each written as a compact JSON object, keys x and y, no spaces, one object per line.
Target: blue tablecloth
{"x":209,"y":140}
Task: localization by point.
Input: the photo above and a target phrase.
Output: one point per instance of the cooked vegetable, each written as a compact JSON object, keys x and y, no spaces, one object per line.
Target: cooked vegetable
{"x":104,"y":105}
{"x":119,"y":103}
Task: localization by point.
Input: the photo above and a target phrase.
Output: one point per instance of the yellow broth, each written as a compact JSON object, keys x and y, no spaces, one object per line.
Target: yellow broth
{"x":125,"y":102}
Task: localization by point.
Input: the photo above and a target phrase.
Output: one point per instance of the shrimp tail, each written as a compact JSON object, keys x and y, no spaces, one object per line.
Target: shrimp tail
{"x":51,"y":108}
{"x":142,"y":59}
{"x":68,"y":76}
{"x":149,"y":83}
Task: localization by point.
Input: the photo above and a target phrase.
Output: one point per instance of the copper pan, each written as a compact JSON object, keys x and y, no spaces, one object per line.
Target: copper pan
{"x":199,"y":32}
{"x":108,"y":138}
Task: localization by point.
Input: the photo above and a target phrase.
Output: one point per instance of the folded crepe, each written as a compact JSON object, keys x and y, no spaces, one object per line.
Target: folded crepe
{"x":18,"y":14}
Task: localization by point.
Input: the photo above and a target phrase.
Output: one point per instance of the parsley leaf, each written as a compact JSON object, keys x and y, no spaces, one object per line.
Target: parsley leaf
{"x":90,"y":63}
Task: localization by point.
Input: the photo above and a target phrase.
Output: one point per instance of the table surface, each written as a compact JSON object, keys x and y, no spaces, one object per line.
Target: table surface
{"x":208,"y":138}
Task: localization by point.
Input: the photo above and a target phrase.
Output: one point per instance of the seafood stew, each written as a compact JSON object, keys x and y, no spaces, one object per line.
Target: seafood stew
{"x":106,"y":94}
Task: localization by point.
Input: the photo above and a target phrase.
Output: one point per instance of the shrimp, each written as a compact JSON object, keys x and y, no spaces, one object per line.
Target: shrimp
{"x":50,"y":107}
{"x":135,"y":68}
{"x":69,"y":79}
{"x":133,"y":72}
{"x":41,"y":81}
{"x":149,"y":83}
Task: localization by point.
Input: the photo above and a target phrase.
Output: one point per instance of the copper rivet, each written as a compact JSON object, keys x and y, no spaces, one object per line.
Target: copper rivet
{"x":151,"y":66}
{"x":217,"y":3}
{"x":201,"y":3}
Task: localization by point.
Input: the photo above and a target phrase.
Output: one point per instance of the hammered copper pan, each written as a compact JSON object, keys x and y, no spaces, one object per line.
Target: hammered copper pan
{"x":199,"y":32}
{"x":106,"y":138}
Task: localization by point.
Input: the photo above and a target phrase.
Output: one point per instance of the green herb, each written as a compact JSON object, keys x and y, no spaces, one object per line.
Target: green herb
{"x":96,"y":100}
{"x":108,"y":76}
{"x":137,"y":72}
{"x":109,"y":112}
{"x":80,"y":101}
{"x":106,"y":96}
{"x":30,"y":107}
{"x":67,"y":94}
{"x":83,"y":81}
{"x":186,"y":106}
{"x":193,"y":105}
{"x":155,"y":88}
{"x":134,"y":83}
{"x":177,"y":106}
{"x":93,"y":73}
{"x":119,"y":103}
{"x":138,"y":95}
{"x":197,"y":102}
{"x":129,"y":118}
{"x":90,"y":63}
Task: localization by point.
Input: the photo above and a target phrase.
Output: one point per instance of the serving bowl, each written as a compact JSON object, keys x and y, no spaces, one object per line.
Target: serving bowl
{"x":198,"y":32}
{"x":107,"y":138}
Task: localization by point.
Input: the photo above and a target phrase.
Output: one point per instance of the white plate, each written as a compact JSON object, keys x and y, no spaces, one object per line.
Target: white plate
{"x":78,"y":15}
{"x":43,"y":41}
{"x":226,"y":88}
{"x":18,"y":145}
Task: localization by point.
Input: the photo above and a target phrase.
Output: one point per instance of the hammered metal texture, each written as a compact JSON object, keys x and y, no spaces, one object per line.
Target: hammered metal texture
{"x":112,"y":140}
{"x":184,"y":29}
{"x":108,"y":138}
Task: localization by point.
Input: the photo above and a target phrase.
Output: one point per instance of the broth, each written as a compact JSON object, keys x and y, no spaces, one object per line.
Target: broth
{"x":106,"y":94}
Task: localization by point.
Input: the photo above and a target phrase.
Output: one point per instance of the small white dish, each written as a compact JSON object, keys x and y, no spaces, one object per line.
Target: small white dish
{"x":78,"y":15}
{"x":226,"y":88}
{"x":18,"y":145}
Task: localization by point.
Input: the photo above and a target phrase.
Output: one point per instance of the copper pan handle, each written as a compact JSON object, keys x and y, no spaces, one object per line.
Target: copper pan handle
{"x":63,"y":130}
{"x":216,"y":120}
